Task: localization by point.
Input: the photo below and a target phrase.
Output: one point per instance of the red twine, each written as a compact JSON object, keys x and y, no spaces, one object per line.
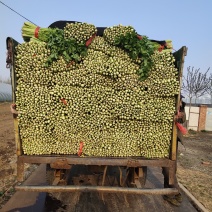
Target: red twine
{"x":36,"y":31}
{"x":182,"y":129}
{"x":63,"y":101}
{"x":88,"y":42}
{"x":71,"y":63}
{"x":160,"y":48}
{"x":139,"y":37}
{"x":80,"y":148}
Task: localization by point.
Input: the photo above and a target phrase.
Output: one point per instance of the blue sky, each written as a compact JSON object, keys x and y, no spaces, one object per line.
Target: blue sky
{"x":185,"y":22}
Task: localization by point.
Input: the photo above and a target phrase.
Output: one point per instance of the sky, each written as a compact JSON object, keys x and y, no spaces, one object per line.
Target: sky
{"x":185,"y":22}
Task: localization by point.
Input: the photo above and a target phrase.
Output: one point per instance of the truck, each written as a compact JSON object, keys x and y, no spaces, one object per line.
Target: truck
{"x":132,"y":168}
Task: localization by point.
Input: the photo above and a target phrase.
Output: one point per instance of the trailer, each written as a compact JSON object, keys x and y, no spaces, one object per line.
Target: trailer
{"x":132,"y":170}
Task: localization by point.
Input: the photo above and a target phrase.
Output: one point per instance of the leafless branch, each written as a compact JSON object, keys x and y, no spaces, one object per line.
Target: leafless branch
{"x":196,"y":83}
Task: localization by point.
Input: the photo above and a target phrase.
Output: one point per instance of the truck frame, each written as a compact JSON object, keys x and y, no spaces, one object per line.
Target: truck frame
{"x":59,"y":165}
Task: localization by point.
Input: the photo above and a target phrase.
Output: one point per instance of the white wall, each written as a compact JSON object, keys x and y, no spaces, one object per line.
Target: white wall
{"x":193,"y":119}
{"x":208,"y":124}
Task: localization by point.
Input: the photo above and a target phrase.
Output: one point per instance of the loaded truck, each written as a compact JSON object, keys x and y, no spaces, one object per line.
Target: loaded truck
{"x":98,"y":97}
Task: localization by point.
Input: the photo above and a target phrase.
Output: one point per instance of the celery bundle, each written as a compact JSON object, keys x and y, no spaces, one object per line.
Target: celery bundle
{"x":167,"y":46}
{"x":30,"y":30}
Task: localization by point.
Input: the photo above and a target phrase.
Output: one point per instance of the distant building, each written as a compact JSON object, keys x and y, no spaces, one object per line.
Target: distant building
{"x":5,"y":92}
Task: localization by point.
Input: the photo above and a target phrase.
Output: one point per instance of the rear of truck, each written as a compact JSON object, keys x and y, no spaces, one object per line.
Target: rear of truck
{"x":97,"y":104}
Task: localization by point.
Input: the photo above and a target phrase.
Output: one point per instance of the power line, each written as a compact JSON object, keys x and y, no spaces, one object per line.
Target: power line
{"x":17,"y":13}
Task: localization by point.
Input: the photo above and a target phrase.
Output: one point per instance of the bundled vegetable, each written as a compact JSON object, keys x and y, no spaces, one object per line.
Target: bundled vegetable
{"x":139,"y":48}
{"x":99,"y":101}
{"x":165,"y":46}
{"x":69,"y":49}
{"x":111,"y":34}
{"x":30,"y":30}
{"x":81,"y":32}
{"x":69,"y":43}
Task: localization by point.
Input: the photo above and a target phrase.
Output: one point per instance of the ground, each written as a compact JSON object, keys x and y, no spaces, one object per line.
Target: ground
{"x":194,"y":161}
{"x":195,"y":166}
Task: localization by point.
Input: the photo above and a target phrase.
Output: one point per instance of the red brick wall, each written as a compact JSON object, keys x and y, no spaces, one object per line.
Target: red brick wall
{"x":202,"y":117}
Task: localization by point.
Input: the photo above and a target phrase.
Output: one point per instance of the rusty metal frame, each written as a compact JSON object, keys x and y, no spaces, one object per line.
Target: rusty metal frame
{"x":104,"y":161}
{"x":60,"y":163}
{"x":181,"y":53}
{"x":60,"y":177}
{"x":58,"y":174}
{"x":66,"y":161}
{"x":70,"y":160}
{"x":104,"y":189}
{"x":135,"y":174}
{"x":122,"y":180}
{"x":10,"y":60}
{"x":121,"y":162}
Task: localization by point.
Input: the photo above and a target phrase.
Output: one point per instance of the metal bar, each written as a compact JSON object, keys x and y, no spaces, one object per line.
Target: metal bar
{"x":104,"y":175}
{"x":17,"y":137}
{"x":172,"y":173}
{"x":104,"y":161}
{"x":121,"y":182}
{"x":57,"y":177}
{"x":182,"y":52}
{"x":11,"y":44}
{"x":174,"y":142}
{"x":106,"y":189}
{"x":137,"y":183}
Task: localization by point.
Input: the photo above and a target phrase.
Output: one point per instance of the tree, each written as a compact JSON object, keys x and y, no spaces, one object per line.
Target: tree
{"x":209,"y":91}
{"x":195,"y":84}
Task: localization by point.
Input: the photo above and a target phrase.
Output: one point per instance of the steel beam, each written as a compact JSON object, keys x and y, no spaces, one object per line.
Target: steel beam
{"x":105,"y":189}
{"x":104,"y":161}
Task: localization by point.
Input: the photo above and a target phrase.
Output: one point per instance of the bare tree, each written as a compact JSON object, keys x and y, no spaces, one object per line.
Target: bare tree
{"x":209,"y":91}
{"x":195,"y":84}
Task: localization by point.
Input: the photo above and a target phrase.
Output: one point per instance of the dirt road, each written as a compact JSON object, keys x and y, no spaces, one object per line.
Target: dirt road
{"x":195,"y":166}
{"x":92,"y":201}
{"x":113,"y":202}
